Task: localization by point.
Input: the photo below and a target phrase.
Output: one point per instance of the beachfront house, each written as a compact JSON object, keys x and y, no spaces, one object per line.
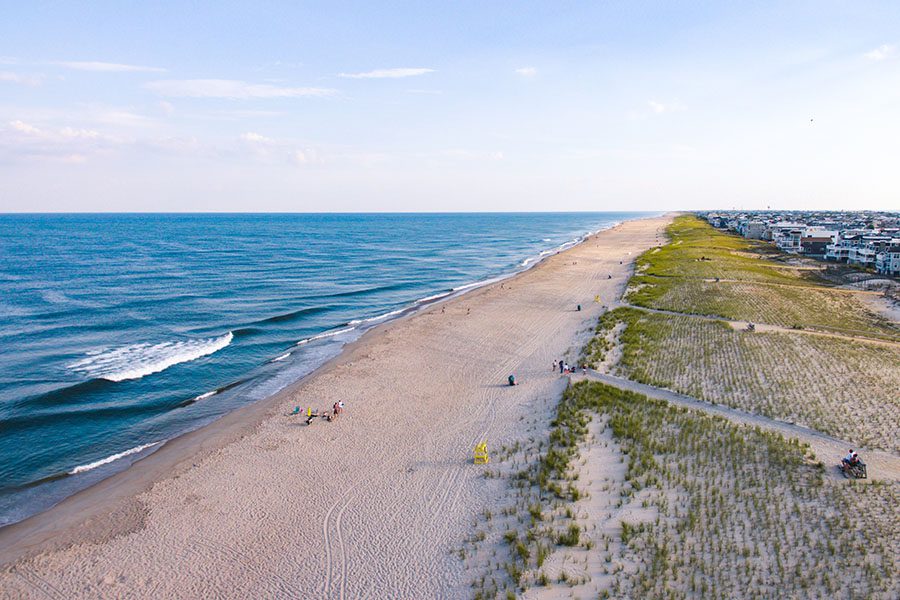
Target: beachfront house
{"x":844,"y":242}
{"x":787,"y":236}
{"x":887,"y":262}
{"x":754,"y":230}
{"x":815,"y":242}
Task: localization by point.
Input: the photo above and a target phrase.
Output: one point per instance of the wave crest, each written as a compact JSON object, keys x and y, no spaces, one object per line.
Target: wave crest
{"x":109,"y":459}
{"x":140,"y":360}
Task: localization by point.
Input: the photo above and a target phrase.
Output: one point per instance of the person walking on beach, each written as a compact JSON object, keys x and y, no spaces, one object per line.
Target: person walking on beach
{"x":561,"y":365}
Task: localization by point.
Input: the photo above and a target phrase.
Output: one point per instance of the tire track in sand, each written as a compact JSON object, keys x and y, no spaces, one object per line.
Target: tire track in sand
{"x":447,"y":491}
{"x":286,"y":589}
{"x":351,"y":493}
{"x":449,"y":499}
{"x":39,"y":584}
{"x":341,"y":504}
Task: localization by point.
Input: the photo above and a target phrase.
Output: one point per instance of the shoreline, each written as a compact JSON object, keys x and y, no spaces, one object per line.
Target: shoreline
{"x":362,"y":325}
{"x":112,"y":508}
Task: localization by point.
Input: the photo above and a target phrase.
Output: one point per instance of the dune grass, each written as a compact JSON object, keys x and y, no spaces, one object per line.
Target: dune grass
{"x":734,"y":511}
{"x":843,"y":388}
{"x":755,"y":283}
{"x":741,"y":513}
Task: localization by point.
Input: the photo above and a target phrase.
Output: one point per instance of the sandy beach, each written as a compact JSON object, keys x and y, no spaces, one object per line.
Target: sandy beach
{"x":372,"y":505}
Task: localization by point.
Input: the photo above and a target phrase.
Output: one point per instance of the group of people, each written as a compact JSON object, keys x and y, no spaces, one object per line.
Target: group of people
{"x":851,"y":459}
{"x":565,"y":367}
{"x":336,"y":410}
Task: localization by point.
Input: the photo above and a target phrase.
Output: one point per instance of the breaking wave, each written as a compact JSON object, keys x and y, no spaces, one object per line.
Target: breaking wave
{"x":109,"y":459}
{"x":140,"y":360}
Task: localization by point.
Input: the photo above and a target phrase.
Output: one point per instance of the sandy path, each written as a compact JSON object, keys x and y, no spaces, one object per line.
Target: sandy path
{"x":370,"y":506}
{"x":798,"y":286}
{"x":763,"y":327}
{"x":881,"y":465}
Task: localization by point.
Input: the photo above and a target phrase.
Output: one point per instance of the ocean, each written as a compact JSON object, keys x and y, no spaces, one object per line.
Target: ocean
{"x":121,"y":331}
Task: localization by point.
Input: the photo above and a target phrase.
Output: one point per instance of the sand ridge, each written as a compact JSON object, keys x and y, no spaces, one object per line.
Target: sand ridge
{"x":370,"y":505}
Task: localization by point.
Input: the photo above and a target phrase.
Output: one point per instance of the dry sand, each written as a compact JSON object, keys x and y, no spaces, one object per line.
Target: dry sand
{"x":258,"y":505}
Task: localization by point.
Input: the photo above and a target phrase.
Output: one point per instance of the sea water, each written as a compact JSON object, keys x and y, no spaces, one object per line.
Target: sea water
{"x":121,"y":331}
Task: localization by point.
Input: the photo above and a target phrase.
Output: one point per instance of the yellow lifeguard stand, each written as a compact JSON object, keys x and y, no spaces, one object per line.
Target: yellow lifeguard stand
{"x":481,"y":454}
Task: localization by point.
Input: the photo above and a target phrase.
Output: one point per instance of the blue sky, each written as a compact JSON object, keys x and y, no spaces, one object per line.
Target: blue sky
{"x":402,"y":106}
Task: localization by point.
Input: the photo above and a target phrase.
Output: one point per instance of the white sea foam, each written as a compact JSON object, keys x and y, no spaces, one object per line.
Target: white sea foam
{"x":327,"y":334}
{"x":109,"y":459}
{"x":140,"y":360}
{"x":480,"y":283}
{"x":369,"y":320}
{"x":386,"y":315}
{"x":207,"y":395}
{"x":282,"y":357}
{"x":433,"y":297}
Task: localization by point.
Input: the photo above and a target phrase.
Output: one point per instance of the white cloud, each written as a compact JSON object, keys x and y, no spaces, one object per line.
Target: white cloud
{"x":255,"y":138}
{"x":105,"y":67}
{"x":527,"y":71}
{"x":229,"y":88}
{"x":387,"y":73}
{"x":167,"y":108}
{"x":31,"y":80}
{"x":457,"y":153}
{"x":25,"y":128}
{"x":21,"y":140}
{"x":307,"y":156}
{"x":882,"y":52}
{"x":85,"y":134}
{"x":123,"y":118}
{"x":59,"y":135}
{"x":660,"y":107}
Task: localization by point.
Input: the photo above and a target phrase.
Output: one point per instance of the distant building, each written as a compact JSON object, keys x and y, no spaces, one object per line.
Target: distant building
{"x":887,"y":262}
{"x":755,"y":230}
{"x":815,"y":242}
{"x":869,"y":239}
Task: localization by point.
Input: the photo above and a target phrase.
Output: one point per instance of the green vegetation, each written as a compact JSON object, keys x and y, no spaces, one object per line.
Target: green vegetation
{"x":728,"y":511}
{"x":699,"y":251}
{"x":740,"y":512}
{"x":843,"y":388}
{"x":754,"y":284}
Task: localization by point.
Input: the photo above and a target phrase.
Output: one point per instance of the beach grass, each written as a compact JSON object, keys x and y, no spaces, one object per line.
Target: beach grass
{"x":707,"y":272}
{"x":740,"y":512}
{"x":847,"y":389}
{"x":723,"y":511}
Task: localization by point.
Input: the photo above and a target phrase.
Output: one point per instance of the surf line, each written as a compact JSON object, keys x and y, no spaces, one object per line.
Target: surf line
{"x":112,"y":458}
